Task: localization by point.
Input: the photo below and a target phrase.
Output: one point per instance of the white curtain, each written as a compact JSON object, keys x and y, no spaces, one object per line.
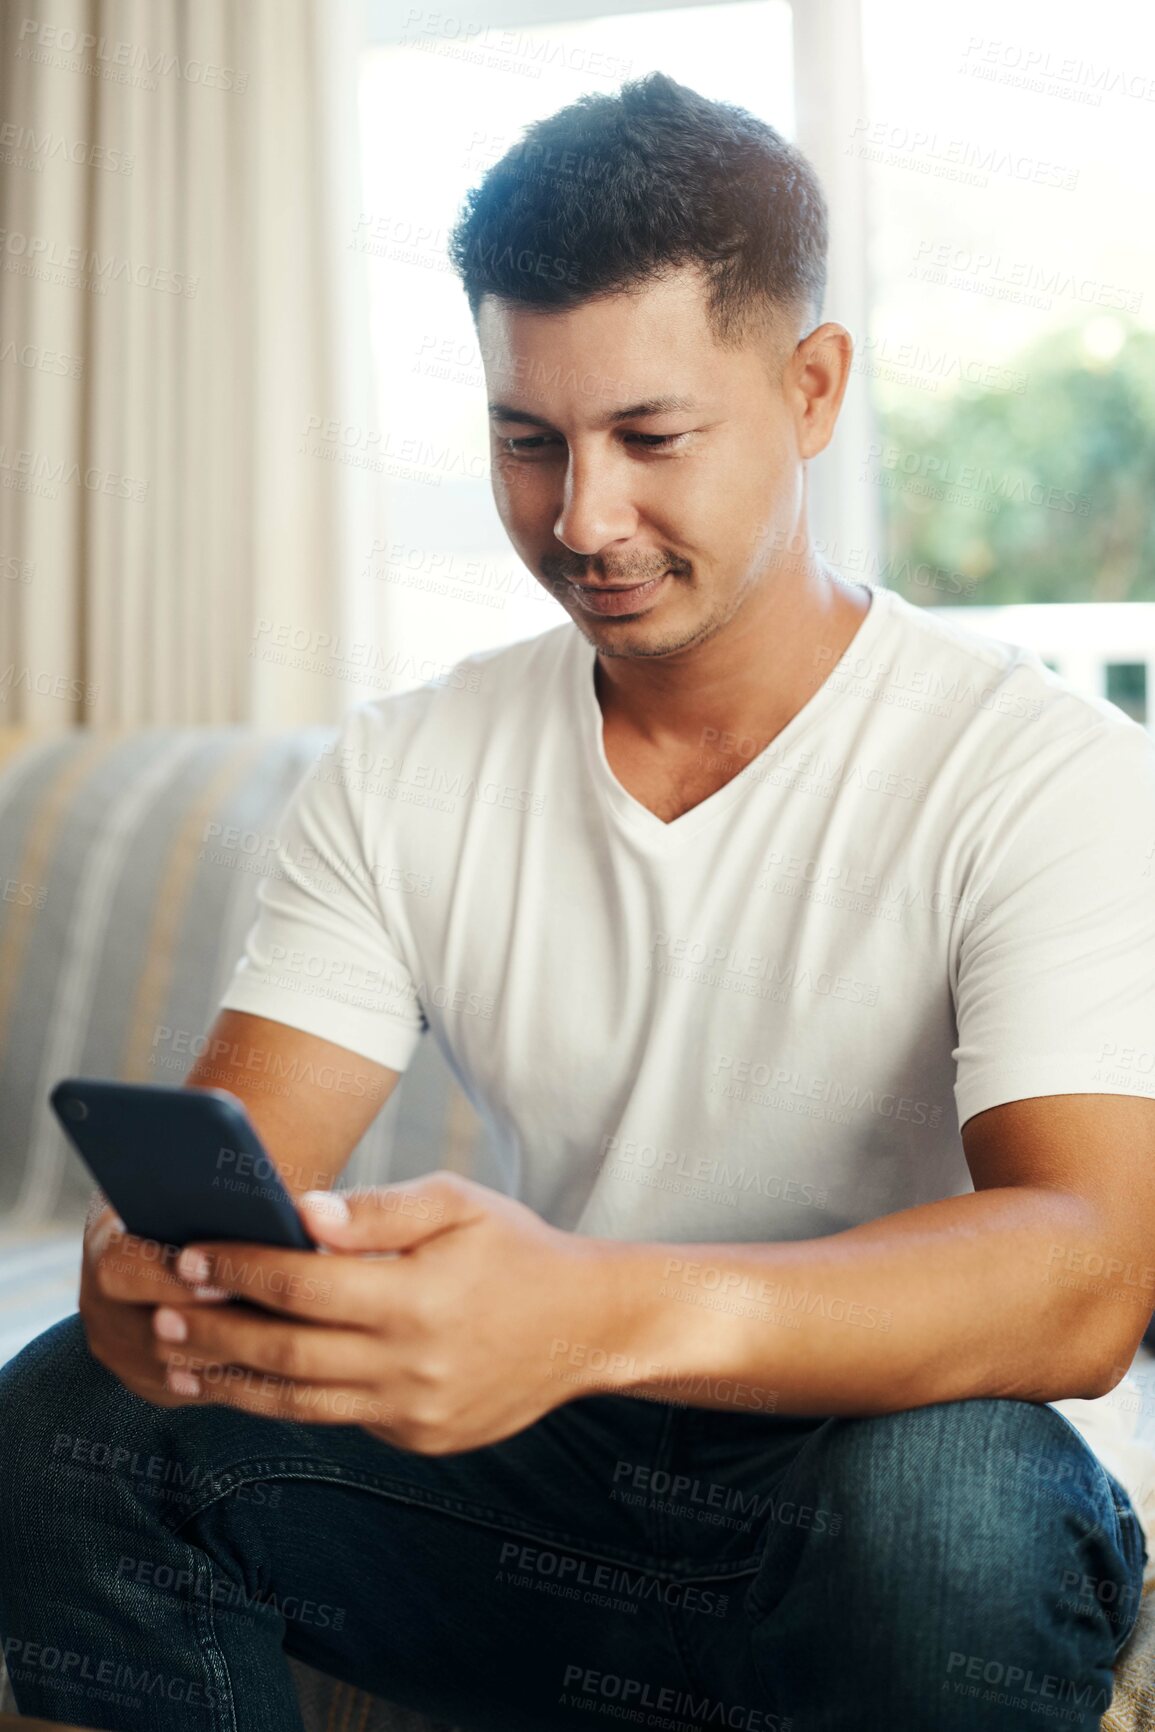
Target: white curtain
{"x":181,"y":319}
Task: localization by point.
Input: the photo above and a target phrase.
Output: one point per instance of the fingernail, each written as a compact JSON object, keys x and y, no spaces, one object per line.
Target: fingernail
{"x":211,"y":1293}
{"x":183,"y":1383}
{"x":328,"y":1207}
{"x":170,"y":1325}
{"x":192,"y":1266}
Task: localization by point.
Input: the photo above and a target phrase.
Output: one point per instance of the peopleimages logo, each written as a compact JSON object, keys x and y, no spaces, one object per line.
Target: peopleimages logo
{"x":703,"y":1497}
{"x":40,"y":147}
{"x":582,"y":1578}
{"x":581,"y":1682}
{"x":26,"y":1659}
{"x":109,"y":55}
{"x":105,"y":267}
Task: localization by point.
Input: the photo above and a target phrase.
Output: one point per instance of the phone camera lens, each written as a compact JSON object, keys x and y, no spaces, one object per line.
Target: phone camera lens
{"x":75,"y":1109}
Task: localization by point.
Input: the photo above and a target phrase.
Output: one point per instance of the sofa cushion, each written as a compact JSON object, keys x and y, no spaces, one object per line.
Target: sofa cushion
{"x":131,"y":861}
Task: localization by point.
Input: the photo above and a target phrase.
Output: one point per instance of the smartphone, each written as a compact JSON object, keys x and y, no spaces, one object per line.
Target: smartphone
{"x":179,"y":1164}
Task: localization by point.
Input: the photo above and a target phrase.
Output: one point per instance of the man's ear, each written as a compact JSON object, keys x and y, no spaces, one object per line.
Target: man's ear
{"x":820,"y":369}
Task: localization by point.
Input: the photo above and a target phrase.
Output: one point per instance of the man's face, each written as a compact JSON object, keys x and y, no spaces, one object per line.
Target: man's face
{"x":692,"y":501}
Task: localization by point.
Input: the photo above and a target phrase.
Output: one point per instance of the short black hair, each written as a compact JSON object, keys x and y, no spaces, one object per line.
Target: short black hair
{"x":616,"y":190}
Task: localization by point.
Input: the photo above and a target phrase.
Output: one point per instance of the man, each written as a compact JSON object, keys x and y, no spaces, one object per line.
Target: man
{"x":782,"y":938}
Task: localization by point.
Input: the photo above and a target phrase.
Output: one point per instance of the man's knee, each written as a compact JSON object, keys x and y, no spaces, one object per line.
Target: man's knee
{"x":995,"y":1486}
{"x":1011,"y":1453}
{"x":43,"y":1370}
{"x":56,"y":1401}
{"x":975,"y":1540}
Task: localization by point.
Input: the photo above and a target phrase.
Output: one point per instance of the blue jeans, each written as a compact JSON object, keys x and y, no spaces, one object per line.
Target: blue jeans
{"x":968,"y":1564}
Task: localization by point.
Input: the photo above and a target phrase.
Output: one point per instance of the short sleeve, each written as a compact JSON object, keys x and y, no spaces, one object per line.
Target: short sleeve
{"x":318,"y":955}
{"x":1055,"y":989}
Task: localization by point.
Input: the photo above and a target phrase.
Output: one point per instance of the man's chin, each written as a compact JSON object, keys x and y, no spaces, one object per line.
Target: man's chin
{"x":639,"y":637}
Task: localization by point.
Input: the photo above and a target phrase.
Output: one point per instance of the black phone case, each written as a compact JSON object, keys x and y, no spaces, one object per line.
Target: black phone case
{"x":179,"y":1164}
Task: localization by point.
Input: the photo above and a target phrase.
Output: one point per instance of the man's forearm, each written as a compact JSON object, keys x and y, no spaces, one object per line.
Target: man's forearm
{"x":978,"y":1295}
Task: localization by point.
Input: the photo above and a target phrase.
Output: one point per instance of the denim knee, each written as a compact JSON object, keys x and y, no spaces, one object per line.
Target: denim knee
{"x":49,"y":1376}
{"x":970,"y":1568}
{"x":994,"y":1470}
{"x":61,"y":1411}
{"x":992,"y":1500}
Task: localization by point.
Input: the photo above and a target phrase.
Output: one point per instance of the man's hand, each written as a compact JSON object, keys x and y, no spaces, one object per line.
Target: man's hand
{"x":122,"y":1280}
{"x":441,"y":1344}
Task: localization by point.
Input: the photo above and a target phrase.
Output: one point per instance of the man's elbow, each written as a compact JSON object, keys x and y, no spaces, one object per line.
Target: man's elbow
{"x":1110,"y":1347}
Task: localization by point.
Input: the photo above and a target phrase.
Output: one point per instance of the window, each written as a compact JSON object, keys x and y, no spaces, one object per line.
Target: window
{"x":1011,"y":350}
{"x":1127,"y":687}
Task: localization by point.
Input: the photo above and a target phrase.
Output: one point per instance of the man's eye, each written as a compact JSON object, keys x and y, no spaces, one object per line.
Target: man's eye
{"x":652,"y":441}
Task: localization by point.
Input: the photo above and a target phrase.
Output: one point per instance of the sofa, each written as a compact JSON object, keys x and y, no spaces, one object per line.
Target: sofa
{"x":129,"y":864}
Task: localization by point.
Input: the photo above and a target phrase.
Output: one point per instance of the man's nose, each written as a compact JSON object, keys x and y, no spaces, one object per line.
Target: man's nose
{"x":597,"y":506}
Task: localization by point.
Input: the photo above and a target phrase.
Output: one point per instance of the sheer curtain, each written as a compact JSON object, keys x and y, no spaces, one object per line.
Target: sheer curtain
{"x":181,"y":311}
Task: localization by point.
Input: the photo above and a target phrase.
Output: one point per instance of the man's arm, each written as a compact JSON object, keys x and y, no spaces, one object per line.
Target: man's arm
{"x":310,"y":1100}
{"x":1038,"y":1285}
{"x":1035,"y":1286}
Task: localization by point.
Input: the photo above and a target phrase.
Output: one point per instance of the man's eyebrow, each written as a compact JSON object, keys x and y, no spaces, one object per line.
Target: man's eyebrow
{"x":633,"y":412}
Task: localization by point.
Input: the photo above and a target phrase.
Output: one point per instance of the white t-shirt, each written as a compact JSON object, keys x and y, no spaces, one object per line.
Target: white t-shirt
{"x":934,"y":891}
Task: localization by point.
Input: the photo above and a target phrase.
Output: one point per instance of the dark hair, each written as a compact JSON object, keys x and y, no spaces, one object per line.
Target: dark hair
{"x":616,"y":190}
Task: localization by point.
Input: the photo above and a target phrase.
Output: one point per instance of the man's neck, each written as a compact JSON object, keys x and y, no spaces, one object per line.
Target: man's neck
{"x":747,"y":681}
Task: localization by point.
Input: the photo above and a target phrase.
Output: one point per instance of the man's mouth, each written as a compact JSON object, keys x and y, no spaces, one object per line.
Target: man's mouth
{"x":619,"y":598}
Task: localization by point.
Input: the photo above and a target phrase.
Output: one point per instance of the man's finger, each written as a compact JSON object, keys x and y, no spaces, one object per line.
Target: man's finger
{"x":283,"y":1398}
{"x":239,"y":1336}
{"x":390,"y":1217}
{"x":142,"y":1271}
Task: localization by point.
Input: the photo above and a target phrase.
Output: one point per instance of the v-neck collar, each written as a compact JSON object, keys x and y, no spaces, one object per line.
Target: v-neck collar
{"x":643,"y":823}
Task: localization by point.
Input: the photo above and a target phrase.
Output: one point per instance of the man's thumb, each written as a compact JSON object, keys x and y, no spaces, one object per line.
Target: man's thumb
{"x":324,"y":1212}
{"x":375,"y":1218}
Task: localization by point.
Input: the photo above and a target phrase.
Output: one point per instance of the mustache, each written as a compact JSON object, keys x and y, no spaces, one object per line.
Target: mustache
{"x":562,"y":571}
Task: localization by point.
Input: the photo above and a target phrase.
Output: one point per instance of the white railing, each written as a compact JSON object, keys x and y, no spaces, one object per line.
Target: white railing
{"x":1080,"y":639}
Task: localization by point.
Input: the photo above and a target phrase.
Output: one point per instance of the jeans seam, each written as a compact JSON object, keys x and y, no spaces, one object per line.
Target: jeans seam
{"x":1122,"y":1512}
{"x":1142,"y":1557}
{"x":333,"y":1473}
{"x":663,"y":1527}
{"x":213,"y":1653}
{"x":663,"y":1456}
